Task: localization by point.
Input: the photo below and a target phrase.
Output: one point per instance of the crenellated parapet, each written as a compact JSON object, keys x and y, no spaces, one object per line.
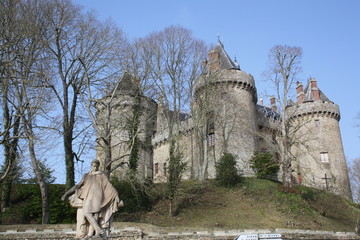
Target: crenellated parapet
{"x":163,"y":136}
{"x":230,"y":78}
{"x":315,"y":108}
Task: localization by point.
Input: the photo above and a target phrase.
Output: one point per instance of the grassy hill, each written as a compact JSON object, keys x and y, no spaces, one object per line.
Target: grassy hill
{"x":255,"y":203}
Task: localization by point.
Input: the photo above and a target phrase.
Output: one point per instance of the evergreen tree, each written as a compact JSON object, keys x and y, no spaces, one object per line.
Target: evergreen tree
{"x":227,"y":175}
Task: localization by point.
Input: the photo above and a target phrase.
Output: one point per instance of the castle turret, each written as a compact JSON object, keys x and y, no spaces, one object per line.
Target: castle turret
{"x":131,"y":115}
{"x":319,"y":153}
{"x":227,"y":97}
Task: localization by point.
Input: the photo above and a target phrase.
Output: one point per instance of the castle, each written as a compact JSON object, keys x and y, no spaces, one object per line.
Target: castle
{"x":226,"y":107}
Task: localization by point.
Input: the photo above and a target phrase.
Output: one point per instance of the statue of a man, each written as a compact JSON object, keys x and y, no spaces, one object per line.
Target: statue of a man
{"x":96,"y":200}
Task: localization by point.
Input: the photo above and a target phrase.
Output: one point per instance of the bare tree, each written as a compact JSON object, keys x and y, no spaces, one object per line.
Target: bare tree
{"x":354,"y":171}
{"x":75,"y":40}
{"x":104,"y":123}
{"x":101,"y":72}
{"x":23,"y":74}
{"x":11,"y":37}
{"x":354,"y":175}
{"x":284,"y":66}
{"x":34,"y":105}
{"x":177,"y":59}
{"x":201,"y":113}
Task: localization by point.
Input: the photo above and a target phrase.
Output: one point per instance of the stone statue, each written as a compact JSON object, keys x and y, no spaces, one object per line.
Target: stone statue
{"x":96,"y":200}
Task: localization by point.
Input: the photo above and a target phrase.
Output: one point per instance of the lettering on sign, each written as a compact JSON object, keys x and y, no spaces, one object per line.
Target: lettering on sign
{"x":247,"y":237}
{"x":259,"y":237}
{"x":272,"y":236}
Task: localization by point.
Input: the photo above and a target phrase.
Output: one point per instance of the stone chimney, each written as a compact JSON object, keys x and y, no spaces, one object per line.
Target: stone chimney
{"x":161,"y":118}
{"x":273,"y":103}
{"x":214,"y":60}
{"x":300,"y":92}
{"x":314,"y":89}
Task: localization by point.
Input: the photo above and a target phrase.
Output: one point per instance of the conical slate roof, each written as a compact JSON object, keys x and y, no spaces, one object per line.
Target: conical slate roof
{"x":225,"y":61}
{"x":127,"y":85}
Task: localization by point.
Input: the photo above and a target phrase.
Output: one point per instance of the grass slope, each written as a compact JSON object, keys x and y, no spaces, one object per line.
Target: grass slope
{"x":255,"y":203}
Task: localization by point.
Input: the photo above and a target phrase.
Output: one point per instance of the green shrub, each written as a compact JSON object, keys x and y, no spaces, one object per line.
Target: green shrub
{"x":264,"y":165}
{"x":227,"y":175}
{"x":26,"y":205}
{"x":135,"y":194}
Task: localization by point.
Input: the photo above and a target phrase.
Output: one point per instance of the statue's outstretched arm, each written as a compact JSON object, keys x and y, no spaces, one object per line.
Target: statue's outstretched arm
{"x":69,"y":192}
{"x":73,"y":189}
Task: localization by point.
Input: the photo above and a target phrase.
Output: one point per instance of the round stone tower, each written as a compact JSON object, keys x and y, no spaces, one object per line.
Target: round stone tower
{"x":128,"y":106}
{"x":318,"y":150}
{"x":226,"y":97}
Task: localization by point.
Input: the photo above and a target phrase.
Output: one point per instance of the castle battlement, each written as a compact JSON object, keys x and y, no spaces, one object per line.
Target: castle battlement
{"x":234,"y":78}
{"x":162,"y":136}
{"x":315,"y":108}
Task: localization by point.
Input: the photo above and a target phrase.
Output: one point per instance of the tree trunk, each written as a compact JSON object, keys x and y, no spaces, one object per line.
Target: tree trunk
{"x":69,"y":158}
{"x":171,"y":207}
{"x":286,"y":159}
{"x":107,"y":162}
{"x":10,"y":146}
{"x":68,"y":126}
{"x":107,"y":141}
{"x":42,"y":184}
{"x":39,"y":177}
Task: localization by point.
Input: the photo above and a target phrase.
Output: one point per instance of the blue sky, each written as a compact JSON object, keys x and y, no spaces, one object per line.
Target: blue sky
{"x":327,"y":30}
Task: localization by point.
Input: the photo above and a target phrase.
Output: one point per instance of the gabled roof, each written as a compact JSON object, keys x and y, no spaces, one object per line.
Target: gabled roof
{"x":225,"y":61}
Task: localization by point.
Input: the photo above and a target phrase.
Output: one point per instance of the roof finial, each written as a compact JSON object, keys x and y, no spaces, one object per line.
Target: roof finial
{"x":219,"y":41}
{"x":236,"y":63}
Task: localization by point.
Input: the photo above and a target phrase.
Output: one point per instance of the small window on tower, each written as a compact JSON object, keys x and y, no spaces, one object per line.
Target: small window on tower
{"x":324,"y":157}
{"x":317,"y":123}
{"x":211,"y":139}
{"x":156,"y":168}
{"x":211,"y":123}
